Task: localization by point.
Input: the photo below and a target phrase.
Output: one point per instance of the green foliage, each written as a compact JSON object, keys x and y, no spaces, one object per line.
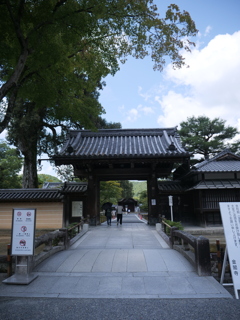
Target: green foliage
{"x":143,"y":201}
{"x":202,"y":135}
{"x":138,"y":187}
{"x":10,"y":166}
{"x":110,"y":191}
{"x":46,"y":178}
{"x":55,"y":241}
{"x":55,"y":54}
{"x":72,"y":232}
{"x":177,"y":224}
{"x":127,"y":189}
{"x":55,"y":50}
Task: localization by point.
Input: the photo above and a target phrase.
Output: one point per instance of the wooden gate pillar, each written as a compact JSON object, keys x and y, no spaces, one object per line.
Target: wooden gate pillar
{"x":153,"y":199}
{"x":93,"y":212}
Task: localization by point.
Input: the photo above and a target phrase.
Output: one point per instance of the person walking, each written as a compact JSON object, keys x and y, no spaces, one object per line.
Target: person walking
{"x":119,"y":214}
{"x":108,"y":214}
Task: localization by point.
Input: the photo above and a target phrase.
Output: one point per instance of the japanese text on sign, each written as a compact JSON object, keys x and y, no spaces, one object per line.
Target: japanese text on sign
{"x":230,"y":212}
{"x":23,"y":231}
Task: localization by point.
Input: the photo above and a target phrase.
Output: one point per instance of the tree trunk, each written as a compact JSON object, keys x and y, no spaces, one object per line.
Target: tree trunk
{"x":30,"y":178}
{"x":25,"y":132}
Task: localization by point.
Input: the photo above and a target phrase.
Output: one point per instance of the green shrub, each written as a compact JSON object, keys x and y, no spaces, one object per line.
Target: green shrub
{"x":177,"y":224}
{"x":73,"y":231}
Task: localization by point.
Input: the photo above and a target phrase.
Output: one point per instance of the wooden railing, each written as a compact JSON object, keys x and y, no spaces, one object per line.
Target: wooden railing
{"x":53,"y":242}
{"x":195,"y":249}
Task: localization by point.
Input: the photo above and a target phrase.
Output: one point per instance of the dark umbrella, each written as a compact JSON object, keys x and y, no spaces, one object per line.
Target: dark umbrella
{"x":106,"y":205}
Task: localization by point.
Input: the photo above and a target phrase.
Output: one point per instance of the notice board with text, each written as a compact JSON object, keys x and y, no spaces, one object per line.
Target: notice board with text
{"x":230,"y":213}
{"x":23,"y":231}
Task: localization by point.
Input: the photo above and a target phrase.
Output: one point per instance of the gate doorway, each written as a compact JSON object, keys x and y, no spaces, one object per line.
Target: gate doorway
{"x":130,"y":195}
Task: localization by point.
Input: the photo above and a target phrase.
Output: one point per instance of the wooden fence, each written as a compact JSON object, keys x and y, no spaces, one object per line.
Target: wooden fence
{"x":195,"y":249}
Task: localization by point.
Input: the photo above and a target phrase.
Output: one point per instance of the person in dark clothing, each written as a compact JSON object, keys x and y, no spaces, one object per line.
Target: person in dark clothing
{"x":119,"y":215}
{"x":108,"y":214}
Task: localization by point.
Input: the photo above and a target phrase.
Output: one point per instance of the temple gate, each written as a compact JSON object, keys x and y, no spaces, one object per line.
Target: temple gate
{"x":122,"y":154}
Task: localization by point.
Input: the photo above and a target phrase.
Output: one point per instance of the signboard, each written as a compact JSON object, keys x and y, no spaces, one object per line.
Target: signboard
{"x":153,"y":202}
{"x":170,"y":200}
{"x":230,"y":212}
{"x":23,"y":232}
{"x":77,"y":208}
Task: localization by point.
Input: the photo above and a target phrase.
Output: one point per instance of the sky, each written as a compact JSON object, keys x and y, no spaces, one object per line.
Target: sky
{"x":139,"y":97}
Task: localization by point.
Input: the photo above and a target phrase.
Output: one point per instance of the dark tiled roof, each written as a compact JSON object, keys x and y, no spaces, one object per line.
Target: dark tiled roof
{"x":117,"y":143}
{"x":46,"y":194}
{"x":67,"y":187}
{"x":225,"y":161}
{"x":30,"y":195}
{"x":217,"y":184}
{"x":174,"y":186}
{"x":127,"y":200}
{"x":74,"y":187}
{"x":220,"y":166}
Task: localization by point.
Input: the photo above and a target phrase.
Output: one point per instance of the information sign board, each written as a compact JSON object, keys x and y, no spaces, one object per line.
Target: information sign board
{"x":23,"y":232}
{"x":153,"y":202}
{"x":77,"y":208}
{"x":230,"y":212}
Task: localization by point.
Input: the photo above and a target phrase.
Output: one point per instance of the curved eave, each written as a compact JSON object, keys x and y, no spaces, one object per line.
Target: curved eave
{"x":120,"y":156}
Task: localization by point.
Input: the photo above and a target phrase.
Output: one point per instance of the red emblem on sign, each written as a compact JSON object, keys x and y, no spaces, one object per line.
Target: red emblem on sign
{"x":22,"y":243}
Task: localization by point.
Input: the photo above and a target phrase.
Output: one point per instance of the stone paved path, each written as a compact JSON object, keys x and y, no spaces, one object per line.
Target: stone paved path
{"x":128,"y":261}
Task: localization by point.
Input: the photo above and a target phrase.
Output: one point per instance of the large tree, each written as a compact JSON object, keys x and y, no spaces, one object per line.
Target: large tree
{"x":40,"y":37}
{"x":110,"y":191}
{"x":127,"y":189}
{"x":204,"y":136}
{"x":54,"y":55}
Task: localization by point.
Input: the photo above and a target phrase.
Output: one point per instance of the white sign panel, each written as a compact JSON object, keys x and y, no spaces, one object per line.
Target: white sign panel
{"x":230,"y":212}
{"x":170,"y":200}
{"x":23,"y":232}
{"x":77,"y":208}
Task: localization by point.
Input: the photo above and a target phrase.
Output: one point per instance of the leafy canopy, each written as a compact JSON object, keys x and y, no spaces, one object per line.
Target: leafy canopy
{"x":204,"y":136}
{"x":127,"y":189}
{"x":55,"y":54}
{"x":110,"y":191}
{"x":51,"y":51}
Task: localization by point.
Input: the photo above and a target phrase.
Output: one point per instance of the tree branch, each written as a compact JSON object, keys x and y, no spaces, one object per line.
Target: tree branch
{"x":10,"y":106}
{"x":13,"y":80}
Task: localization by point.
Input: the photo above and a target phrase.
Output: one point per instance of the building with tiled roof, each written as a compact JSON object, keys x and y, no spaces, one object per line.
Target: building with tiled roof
{"x":53,"y":203}
{"x":203,"y":186}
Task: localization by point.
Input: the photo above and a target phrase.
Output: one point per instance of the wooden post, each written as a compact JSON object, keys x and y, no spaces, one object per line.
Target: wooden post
{"x":65,"y":237}
{"x":202,"y":256}
{"x":9,"y":260}
{"x":219,"y":258}
{"x":92,"y":207}
{"x":172,"y":237}
{"x":153,"y":201}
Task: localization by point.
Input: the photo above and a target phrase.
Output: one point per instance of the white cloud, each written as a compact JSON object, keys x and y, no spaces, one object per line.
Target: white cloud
{"x":132,"y":115}
{"x":146,"y":110}
{"x":210,"y":86}
{"x":145,"y":95}
{"x":207,"y":30}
